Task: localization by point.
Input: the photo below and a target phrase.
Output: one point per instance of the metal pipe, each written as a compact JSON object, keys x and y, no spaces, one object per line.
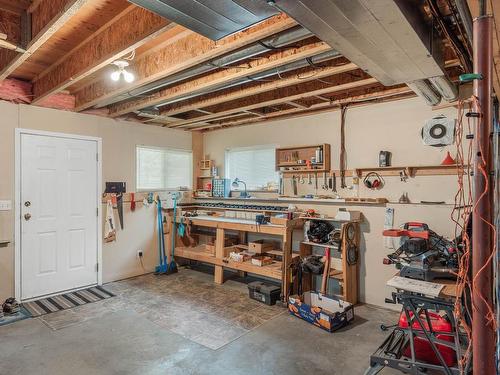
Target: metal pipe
{"x":291,"y":36}
{"x":483,"y":336}
{"x":447,"y":89}
{"x":328,"y":55}
{"x":464,"y":13}
{"x":424,"y":89}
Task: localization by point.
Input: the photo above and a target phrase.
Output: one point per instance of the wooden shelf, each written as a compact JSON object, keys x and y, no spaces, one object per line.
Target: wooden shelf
{"x":411,"y":171}
{"x":336,"y":274}
{"x":305,"y":153}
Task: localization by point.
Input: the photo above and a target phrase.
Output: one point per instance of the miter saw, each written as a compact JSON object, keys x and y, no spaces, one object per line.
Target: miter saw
{"x":423,"y":254}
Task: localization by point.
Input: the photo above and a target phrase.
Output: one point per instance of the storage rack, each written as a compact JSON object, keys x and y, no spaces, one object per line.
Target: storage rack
{"x":278,"y":270}
{"x":287,"y":159}
{"x":347,"y":275}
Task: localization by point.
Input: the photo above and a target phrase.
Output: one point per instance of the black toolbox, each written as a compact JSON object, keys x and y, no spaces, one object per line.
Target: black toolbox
{"x":264,"y":292}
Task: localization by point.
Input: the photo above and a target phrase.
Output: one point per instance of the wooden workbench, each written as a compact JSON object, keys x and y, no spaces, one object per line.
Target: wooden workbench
{"x":277,"y":270}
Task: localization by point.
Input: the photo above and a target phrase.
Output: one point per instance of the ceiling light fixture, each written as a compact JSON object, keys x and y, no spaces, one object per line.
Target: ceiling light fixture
{"x":121,"y":65}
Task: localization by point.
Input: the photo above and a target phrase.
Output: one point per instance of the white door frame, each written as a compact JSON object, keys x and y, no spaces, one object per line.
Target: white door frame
{"x":17,"y":200}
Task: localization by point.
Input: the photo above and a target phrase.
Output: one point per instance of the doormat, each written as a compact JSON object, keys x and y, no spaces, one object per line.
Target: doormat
{"x":22,"y":314}
{"x":67,"y":301}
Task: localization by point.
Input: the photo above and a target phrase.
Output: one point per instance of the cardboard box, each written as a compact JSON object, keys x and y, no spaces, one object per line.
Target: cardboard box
{"x":261,"y":260}
{"x":260,"y":246}
{"x":327,"y":312}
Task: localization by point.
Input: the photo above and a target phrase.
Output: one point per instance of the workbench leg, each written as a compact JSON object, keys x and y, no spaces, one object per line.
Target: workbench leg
{"x":243,"y":238}
{"x":305,"y":251}
{"x":219,"y":254}
{"x":286,"y":273}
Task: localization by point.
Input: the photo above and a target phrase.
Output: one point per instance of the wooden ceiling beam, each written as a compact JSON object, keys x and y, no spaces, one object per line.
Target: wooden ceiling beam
{"x":338,"y":83}
{"x":222,"y":77}
{"x":122,"y":35}
{"x":383,"y":94}
{"x":186,"y":51}
{"x":63,"y":15}
{"x":287,"y":79}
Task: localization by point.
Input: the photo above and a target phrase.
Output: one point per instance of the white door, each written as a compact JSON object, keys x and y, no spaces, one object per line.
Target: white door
{"x":58,"y":214}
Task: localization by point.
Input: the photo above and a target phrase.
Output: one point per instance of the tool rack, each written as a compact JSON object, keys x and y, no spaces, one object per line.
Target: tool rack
{"x":278,"y":270}
{"x":347,"y":274}
{"x":389,"y":354}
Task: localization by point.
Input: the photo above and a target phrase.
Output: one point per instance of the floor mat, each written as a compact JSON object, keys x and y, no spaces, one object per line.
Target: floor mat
{"x":22,"y":314}
{"x":67,"y":301}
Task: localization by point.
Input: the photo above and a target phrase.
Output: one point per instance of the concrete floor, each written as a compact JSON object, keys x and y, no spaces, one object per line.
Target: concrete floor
{"x":127,"y":340}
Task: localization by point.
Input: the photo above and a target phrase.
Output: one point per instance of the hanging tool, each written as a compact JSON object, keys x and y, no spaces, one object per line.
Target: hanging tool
{"x":325,"y":182}
{"x":172,"y":266}
{"x":132,"y":202}
{"x":109,"y":227}
{"x":162,"y":266}
{"x":294,"y":184}
{"x":326,"y":272}
{"x":119,"y":204}
{"x":301,"y":179}
{"x":281,"y":186}
{"x":343,"y":159}
{"x":309,"y":180}
{"x":334,"y":178}
{"x":316,"y":180}
{"x":330,"y":181}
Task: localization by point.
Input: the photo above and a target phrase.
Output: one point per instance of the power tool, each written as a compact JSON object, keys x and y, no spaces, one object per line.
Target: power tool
{"x":423,"y":254}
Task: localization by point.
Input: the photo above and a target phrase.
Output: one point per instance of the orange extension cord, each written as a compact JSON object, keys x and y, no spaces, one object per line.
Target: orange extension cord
{"x":460,"y":215}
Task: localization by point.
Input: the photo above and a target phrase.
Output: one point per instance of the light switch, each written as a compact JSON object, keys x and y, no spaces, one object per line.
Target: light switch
{"x":5,"y":205}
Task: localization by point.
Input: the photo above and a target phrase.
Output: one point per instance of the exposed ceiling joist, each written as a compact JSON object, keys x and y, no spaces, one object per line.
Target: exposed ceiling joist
{"x":280,"y":96}
{"x":383,"y":94}
{"x":221,"y":77}
{"x":122,"y":35}
{"x":183,"y":53}
{"x":227,"y":95}
{"x":63,"y":15}
{"x":16,"y":7}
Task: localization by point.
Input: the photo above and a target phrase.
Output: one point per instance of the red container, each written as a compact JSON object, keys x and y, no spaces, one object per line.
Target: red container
{"x":423,"y":349}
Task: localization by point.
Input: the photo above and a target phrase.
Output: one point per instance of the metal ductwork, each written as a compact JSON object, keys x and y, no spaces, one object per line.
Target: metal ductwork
{"x":312,"y":61}
{"x":389,"y":39}
{"x":214,"y":19}
{"x":283,"y":39}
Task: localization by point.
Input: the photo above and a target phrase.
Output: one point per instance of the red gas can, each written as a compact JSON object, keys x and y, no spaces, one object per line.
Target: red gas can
{"x":423,"y":349}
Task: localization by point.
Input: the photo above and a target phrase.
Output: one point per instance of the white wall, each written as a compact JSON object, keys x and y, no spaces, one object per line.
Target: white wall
{"x":391,"y":126}
{"x":118,"y":143}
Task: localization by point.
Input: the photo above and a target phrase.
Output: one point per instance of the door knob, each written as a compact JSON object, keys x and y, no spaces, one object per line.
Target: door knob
{"x":27,"y":217}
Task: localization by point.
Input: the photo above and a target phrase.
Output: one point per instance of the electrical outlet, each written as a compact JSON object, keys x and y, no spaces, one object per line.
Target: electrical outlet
{"x":5,"y":205}
{"x":140,"y":254}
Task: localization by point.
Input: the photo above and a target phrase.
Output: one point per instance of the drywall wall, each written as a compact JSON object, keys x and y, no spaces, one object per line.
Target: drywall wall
{"x":118,"y":164}
{"x":391,"y":126}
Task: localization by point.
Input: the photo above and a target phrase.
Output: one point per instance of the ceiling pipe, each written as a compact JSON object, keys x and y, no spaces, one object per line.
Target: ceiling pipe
{"x":314,"y":60}
{"x":447,"y":89}
{"x":278,"y":41}
{"x":425,"y":90}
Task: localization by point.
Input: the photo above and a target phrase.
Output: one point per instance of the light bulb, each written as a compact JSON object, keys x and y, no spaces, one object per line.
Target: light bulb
{"x":115,"y":76}
{"x":129,"y":77}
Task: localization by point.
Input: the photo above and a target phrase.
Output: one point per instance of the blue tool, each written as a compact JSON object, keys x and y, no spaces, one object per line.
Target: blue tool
{"x":172,"y":267}
{"x":162,"y":267}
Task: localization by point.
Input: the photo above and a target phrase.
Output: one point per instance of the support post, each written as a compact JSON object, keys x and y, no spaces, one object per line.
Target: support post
{"x":219,"y":254}
{"x":483,"y":335}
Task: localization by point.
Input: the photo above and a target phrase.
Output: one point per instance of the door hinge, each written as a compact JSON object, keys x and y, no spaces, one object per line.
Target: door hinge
{"x":97,"y":211}
{"x":97,"y":157}
{"x":97,"y":267}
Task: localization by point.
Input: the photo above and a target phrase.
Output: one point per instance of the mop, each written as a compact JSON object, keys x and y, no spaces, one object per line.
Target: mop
{"x":162,"y":267}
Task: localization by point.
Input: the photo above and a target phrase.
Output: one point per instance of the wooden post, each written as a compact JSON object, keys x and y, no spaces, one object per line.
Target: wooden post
{"x":219,"y":253}
{"x":287,"y":261}
{"x":197,"y":147}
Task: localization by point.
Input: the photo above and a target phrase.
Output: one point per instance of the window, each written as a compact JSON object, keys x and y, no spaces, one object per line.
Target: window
{"x":163,"y":169}
{"x":253,"y":165}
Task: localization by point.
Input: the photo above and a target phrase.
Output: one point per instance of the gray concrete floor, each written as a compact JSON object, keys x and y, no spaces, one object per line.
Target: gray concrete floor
{"x":121,"y":338}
